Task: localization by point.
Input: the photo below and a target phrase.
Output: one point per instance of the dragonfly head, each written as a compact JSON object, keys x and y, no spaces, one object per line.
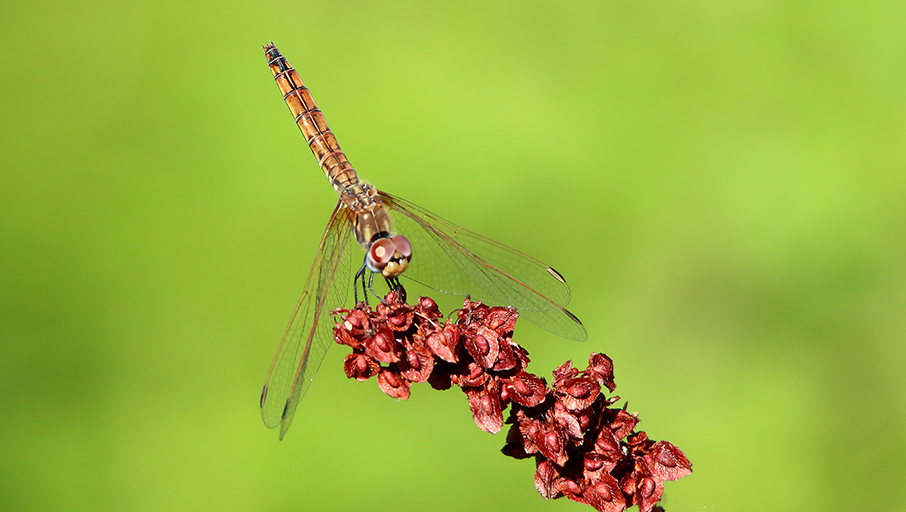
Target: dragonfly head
{"x":389,"y":255}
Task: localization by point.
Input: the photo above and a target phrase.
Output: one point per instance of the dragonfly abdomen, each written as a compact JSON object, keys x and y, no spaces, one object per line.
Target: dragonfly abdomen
{"x":311,"y":122}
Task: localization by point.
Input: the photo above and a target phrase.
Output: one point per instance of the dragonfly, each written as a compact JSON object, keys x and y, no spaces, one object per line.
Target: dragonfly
{"x":400,"y":239}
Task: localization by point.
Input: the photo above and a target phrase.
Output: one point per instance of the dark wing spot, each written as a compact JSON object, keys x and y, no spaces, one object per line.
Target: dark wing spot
{"x":557,"y":276}
{"x":285,"y":408}
{"x":574,"y":317}
{"x":263,"y":395}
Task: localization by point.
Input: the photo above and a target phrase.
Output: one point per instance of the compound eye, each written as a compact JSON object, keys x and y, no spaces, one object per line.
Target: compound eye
{"x":380,"y":253}
{"x":402,"y":246}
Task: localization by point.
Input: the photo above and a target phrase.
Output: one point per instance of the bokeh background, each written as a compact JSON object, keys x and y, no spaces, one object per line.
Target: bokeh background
{"x":722,"y":183}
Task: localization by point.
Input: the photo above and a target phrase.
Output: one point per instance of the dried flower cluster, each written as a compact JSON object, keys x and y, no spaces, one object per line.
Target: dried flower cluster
{"x":584,"y":450}
{"x":588,"y":452}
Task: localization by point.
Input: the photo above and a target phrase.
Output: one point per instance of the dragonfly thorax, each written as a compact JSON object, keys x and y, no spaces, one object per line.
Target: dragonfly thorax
{"x":369,"y":218}
{"x":389,"y":255}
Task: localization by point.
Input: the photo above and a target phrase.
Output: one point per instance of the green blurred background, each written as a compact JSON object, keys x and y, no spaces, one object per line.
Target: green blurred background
{"x":722,"y":183}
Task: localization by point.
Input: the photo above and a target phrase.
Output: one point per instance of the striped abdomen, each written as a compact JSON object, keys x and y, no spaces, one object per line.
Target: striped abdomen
{"x":362,"y":202}
{"x":311,"y":121}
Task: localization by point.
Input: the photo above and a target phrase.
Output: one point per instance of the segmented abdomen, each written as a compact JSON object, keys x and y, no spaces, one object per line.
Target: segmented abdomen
{"x":311,"y":121}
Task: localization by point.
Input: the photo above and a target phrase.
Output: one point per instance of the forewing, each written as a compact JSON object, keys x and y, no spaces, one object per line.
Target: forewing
{"x":310,"y":330}
{"x":454,"y":260}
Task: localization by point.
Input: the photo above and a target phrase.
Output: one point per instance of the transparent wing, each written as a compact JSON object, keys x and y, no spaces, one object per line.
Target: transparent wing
{"x":454,"y":260}
{"x":310,"y":330}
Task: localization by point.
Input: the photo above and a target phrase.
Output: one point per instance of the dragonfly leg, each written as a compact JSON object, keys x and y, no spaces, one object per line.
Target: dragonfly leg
{"x":392,"y":282}
{"x":395,"y":284}
{"x":371,"y":287}
{"x":360,"y":275}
